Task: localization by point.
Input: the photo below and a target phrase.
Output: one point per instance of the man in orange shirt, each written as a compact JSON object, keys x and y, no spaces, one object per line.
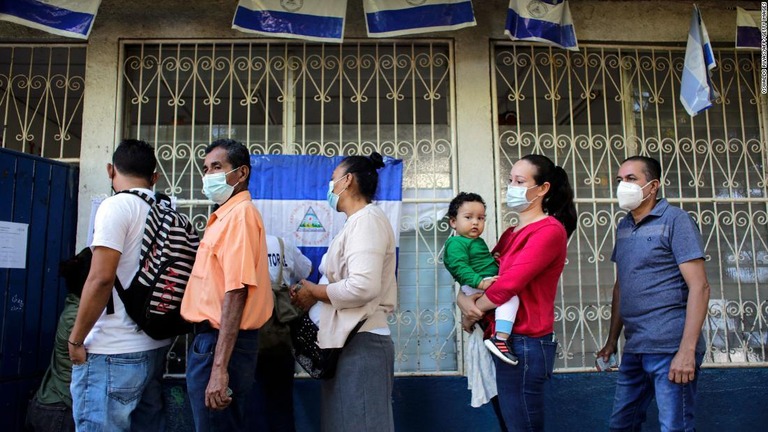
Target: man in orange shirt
{"x":228,"y":296}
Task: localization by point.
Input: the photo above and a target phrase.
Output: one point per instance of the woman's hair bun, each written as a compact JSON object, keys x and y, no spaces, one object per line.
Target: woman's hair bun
{"x":377,"y":160}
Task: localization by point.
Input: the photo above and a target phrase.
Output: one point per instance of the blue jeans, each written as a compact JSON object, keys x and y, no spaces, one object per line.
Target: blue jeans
{"x":522,"y":387}
{"x":119,"y":392}
{"x":242,"y":373}
{"x":641,"y":376}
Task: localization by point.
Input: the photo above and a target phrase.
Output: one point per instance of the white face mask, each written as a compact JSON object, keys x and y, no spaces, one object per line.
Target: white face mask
{"x":516,"y":199}
{"x":630,"y":195}
{"x":216,"y":188}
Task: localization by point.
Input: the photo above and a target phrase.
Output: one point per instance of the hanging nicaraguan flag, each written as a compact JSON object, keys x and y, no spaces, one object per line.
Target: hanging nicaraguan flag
{"x":547,"y":21}
{"x":387,"y":18}
{"x":696,"y":89}
{"x":747,"y":29}
{"x":71,"y":18}
{"x":290,"y":192}
{"x":314,"y":20}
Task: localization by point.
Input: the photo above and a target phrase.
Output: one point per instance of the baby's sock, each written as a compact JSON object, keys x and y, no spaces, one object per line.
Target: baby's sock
{"x":503,"y":326}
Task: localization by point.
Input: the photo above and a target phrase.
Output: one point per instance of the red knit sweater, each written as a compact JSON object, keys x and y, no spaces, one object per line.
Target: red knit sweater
{"x":530,"y":264}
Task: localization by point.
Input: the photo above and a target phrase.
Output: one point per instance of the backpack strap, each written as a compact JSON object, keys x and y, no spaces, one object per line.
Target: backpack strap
{"x":118,"y":285}
{"x":280,"y":280}
{"x":148,"y":199}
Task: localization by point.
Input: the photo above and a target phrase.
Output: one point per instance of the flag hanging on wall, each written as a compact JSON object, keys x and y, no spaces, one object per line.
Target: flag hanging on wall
{"x":747,"y":29}
{"x":388,"y":18}
{"x":547,"y":21}
{"x":290,"y":192}
{"x":321,"y":21}
{"x":696,"y":89}
{"x":70,"y":18}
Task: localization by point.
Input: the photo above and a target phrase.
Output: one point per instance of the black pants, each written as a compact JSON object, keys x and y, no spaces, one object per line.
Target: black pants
{"x":274,"y":390}
{"x":49,"y":417}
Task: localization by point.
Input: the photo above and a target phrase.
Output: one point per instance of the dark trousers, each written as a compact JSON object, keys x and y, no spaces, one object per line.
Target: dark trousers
{"x":273,"y":391}
{"x":242,"y":372}
{"x":49,"y":417}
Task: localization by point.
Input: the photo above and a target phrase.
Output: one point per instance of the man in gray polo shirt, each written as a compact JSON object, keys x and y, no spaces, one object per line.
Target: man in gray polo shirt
{"x":660,"y":299}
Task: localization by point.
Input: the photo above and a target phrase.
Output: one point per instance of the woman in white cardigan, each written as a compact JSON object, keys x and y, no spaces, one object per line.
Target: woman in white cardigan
{"x":360,"y":267}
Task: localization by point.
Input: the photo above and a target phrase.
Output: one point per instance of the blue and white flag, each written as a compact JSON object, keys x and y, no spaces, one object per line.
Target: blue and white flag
{"x":547,"y":21}
{"x":290,"y":192}
{"x":70,"y":18}
{"x":387,"y":18}
{"x":696,"y":89}
{"x":321,"y":21}
{"x":747,"y":29}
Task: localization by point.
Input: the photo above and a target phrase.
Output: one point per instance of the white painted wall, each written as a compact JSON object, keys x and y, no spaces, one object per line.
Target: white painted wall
{"x":596,"y":21}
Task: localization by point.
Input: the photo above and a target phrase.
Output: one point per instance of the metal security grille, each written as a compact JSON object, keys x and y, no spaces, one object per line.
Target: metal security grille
{"x":591,"y":109}
{"x":293,"y":98}
{"x":41,"y":99}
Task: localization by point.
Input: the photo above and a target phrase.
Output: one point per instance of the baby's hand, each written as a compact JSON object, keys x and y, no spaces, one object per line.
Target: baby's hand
{"x":486,"y":283}
{"x":496,"y":256}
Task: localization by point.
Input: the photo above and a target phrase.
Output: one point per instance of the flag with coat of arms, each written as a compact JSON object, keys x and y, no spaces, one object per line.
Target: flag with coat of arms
{"x":696,"y":89}
{"x":70,"y":18}
{"x":291,"y":191}
{"x":388,"y":18}
{"x":321,"y":21}
{"x":547,"y":21}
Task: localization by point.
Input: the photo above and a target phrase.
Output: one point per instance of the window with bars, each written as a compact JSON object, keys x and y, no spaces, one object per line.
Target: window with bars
{"x":590,"y":110}
{"x":41,"y":99}
{"x":293,"y":98}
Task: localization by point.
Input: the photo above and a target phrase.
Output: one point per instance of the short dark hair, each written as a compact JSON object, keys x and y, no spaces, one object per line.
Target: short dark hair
{"x":461,"y":198}
{"x":237,"y":153}
{"x":75,"y":270}
{"x":652,"y":168}
{"x":135,"y":158}
{"x":364,"y":168}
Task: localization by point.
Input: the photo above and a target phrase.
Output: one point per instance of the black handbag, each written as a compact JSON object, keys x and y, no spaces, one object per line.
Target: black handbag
{"x":320,"y":363}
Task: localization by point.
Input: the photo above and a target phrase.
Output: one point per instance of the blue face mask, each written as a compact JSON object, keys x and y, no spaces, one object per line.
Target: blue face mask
{"x":216,"y":188}
{"x":333,"y":199}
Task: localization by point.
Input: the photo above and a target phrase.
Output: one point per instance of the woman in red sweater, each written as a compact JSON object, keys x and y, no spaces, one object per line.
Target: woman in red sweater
{"x":531,"y":259}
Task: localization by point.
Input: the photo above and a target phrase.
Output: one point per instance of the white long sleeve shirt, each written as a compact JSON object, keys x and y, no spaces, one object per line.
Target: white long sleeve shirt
{"x":360,"y":266}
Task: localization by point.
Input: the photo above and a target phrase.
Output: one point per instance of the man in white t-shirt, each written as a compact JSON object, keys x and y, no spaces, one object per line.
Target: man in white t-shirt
{"x":296,"y":267}
{"x":116,"y":368}
{"x":275,"y":366}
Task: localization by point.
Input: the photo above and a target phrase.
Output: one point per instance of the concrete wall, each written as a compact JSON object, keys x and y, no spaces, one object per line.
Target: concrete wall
{"x":729,"y":400}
